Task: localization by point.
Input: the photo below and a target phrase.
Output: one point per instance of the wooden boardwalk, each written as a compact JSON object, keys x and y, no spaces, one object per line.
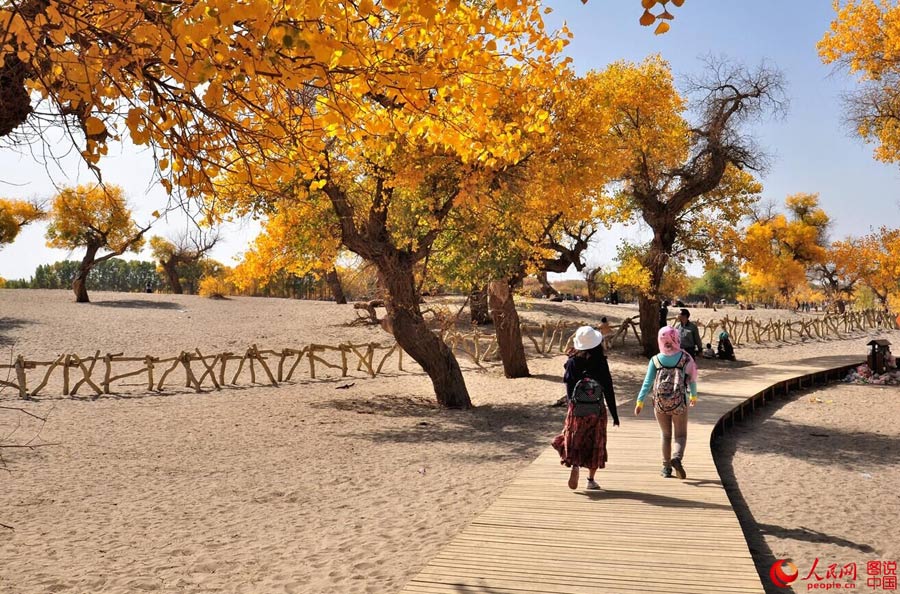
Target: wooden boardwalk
{"x":641,"y":532}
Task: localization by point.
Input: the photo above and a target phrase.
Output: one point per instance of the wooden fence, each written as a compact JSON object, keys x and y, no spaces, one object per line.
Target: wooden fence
{"x":831,"y":325}
{"x":71,"y":372}
{"x":74,"y":372}
{"x":556,"y":337}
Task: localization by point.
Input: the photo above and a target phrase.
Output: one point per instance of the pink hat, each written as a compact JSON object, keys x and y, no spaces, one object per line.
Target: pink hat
{"x":669,"y":340}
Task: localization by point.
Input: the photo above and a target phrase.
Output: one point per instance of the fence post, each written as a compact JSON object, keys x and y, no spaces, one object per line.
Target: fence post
{"x":20,"y":377}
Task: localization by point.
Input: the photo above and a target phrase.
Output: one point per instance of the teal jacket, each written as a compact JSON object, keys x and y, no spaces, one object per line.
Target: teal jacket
{"x":669,"y":361}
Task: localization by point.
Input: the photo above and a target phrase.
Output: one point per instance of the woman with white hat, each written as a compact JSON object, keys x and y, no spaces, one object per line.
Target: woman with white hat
{"x":588,"y":386}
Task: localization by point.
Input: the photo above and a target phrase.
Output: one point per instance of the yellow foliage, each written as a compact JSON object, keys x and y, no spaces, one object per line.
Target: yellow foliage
{"x":94,"y":217}
{"x":261,"y":88}
{"x":879,"y":259}
{"x":215,"y":287}
{"x":779,"y":252}
{"x":865,"y":37}
{"x":15,"y":214}
{"x":631,"y":274}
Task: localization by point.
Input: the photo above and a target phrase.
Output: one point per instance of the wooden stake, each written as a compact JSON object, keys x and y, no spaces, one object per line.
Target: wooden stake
{"x":210,"y":370}
{"x":20,"y":377}
{"x":47,"y":375}
{"x":66,"y":364}
{"x":107,"y":361}
{"x":148,"y":361}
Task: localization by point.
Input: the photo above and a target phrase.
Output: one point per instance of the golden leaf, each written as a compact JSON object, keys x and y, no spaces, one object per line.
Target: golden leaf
{"x":94,"y":126}
{"x":663,"y":27}
{"x":647,"y":18}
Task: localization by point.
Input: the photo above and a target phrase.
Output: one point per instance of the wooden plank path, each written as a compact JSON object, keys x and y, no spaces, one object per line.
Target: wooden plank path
{"x":641,"y":533}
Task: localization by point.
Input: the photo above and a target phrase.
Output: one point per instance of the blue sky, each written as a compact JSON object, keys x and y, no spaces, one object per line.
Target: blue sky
{"x":812,"y":149}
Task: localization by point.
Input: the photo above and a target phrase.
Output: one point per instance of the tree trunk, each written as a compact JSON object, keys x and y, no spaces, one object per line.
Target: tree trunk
{"x":478,"y":306}
{"x":649,"y":311}
{"x":334,"y":283}
{"x":648,"y":305}
{"x":509,"y":332}
{"x":171,"y":270}
{"x":547,"y":290}
{"x":404,"y":317}
{"x":79,"y":284}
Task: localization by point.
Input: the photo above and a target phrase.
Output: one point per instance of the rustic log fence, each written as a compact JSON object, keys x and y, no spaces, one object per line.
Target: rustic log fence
{"x":556,"y":337}
{"x":269,"y":367}
{"x":831,"y":325}
{"x":272,"y":367}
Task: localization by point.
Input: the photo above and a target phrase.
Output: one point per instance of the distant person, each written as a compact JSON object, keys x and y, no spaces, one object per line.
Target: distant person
{"x":614,"y":297}
{"x":725,"y":350}
{"x":672,"y":378}
{"x":605,"y":330}
{"x":689,"y":333}
{"x":148,"y":287}
{"x":588,"y":385}
{"x":664,"y":313}
{"x":708,"y":352}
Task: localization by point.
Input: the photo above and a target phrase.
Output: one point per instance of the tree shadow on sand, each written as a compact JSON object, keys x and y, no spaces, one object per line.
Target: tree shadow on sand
{"x":139,"y":304}
{"x":816,"y":444}
{"x":755,"y":533}
{"x":521,"y":429}
{"x":7,"y":324}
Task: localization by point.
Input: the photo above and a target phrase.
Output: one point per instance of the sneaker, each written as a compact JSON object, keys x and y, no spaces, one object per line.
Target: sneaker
{"x":593,"y":485}
{"x":679,"y":469}
{"x":666,"y":471}
{"x":573,"y":478}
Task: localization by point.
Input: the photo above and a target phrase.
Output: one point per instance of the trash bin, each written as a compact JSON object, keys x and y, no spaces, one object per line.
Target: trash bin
{"x":880,"y":349}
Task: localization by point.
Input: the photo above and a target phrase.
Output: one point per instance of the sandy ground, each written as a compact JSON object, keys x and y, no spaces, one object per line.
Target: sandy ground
{"x":309,"y":488}
{"x":818,"y":477}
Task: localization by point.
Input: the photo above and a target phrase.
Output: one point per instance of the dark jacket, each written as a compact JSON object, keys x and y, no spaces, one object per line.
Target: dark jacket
{"x":725,"y":349}
{"x":593,"y":364}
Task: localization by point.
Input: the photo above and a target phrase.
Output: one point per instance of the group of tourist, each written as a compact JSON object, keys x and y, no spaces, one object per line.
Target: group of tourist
{"x":670,"y":380}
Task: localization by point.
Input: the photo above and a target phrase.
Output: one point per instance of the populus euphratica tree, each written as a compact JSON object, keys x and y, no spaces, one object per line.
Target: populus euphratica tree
{"x":779,"y":252}
{"x":687,"y":180}
{"x":94,"y":218}
{"x":523,"y":227}
{"x":185,"y":249}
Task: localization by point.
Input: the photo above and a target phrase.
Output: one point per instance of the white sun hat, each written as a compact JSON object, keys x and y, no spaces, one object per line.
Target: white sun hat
{"x":586,"y":338}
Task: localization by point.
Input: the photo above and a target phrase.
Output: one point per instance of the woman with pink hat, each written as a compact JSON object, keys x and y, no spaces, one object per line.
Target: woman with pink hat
{"x":672,"y":377}
{"x":588,"y":386}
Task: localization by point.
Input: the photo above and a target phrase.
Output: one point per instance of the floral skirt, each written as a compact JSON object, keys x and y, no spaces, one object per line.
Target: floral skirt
{"x":583,"y":441}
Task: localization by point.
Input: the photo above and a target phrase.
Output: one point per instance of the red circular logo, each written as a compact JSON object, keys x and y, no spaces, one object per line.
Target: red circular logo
{"x":783,"y":572}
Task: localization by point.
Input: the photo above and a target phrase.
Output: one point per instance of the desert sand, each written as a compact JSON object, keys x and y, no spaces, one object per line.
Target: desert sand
{"x":311,"y":489}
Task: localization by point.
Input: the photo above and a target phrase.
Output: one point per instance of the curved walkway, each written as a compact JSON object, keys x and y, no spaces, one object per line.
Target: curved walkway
{"x":640,"y":533}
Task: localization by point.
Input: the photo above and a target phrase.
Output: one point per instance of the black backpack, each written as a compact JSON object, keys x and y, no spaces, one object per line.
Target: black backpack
{"x":587,"y":397}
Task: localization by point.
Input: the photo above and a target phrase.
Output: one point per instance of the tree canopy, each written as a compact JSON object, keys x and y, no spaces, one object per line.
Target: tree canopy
{"x":94,"y":218}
